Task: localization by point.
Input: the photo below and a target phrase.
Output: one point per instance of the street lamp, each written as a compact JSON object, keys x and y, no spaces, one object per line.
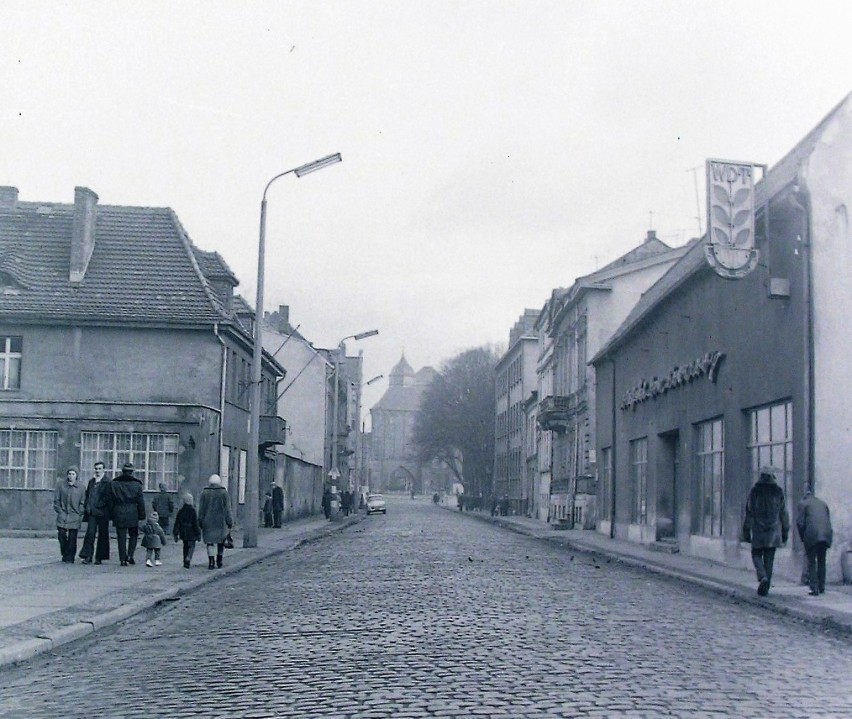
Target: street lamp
{"x":253,"y":468}
{"x":335,"y":472}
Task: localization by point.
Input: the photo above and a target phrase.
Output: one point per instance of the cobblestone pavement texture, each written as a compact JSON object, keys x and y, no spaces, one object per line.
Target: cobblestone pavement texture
{"x":425,"y":613}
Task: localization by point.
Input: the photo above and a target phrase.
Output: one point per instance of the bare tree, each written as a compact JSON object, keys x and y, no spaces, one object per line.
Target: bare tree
{"x":455,"y":422}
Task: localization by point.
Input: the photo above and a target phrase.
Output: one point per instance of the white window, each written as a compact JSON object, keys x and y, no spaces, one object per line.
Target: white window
{"x":771,"y":443}
{"x":711,"y":477}
{"x":225,"y":465}
{"x":154,"y":456}
{"x":10,"y":362}
{"x":241,"y":487}
{"x":28,"y":459}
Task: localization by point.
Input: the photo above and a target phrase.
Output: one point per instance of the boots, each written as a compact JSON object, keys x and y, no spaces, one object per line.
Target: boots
{"x":211,"y":563}
{"x":219,"y":561}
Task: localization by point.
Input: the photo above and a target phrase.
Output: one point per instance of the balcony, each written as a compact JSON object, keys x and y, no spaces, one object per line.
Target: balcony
{"x":273,"y":430}
{"x":556,"y":412}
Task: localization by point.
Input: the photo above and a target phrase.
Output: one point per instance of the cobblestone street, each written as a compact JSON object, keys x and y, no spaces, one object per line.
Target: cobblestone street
{"x":428,"y":613}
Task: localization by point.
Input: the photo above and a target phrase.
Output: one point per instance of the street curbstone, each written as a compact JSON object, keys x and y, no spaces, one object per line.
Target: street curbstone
{"x":22,"y":651}
{"x":67,"y":634}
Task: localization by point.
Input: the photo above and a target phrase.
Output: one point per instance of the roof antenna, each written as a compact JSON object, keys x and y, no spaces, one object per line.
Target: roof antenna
{"x":694,"y":171}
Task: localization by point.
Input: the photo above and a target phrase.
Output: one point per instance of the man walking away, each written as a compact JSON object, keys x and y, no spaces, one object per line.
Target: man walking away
{"x":326,"y":503}
{"x":766,"y":525}
{"x":128,"y":509}
{"x":277,"y":505}
{"x":96,"y":517}
{"x":813,"y":521}
{"x":69,"y":503}
{"x":164,"y":506}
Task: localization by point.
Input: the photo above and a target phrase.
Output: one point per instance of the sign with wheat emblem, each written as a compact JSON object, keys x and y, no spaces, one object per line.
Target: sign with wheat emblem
{"x":729,"y":245}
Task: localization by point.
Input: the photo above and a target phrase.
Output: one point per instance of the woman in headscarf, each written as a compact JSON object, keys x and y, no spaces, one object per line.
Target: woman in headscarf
{"x":214,"y":516}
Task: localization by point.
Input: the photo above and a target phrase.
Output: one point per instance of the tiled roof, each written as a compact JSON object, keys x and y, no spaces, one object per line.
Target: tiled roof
{"x":143,"y":269}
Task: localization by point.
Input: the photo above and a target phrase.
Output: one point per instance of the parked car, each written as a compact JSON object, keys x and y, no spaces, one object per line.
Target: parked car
{"x":376,"y":503}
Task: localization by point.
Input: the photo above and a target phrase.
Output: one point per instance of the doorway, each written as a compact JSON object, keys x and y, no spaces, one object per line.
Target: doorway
{"x":667,"y":482}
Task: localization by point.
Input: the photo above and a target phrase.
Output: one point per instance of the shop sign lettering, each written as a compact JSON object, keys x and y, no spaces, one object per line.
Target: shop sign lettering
{"x":705,"y":366}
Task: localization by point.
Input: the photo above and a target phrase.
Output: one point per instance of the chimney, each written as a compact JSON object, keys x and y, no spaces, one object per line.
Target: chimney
{"x":8,"y":197}
{"x":283,"y":318}
{"x":83,"y":233}
{"x":652,"y":235}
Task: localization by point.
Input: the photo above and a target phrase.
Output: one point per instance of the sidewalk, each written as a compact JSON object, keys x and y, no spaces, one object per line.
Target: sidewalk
{"x":45,"y":603}
{"x":830,"y":610}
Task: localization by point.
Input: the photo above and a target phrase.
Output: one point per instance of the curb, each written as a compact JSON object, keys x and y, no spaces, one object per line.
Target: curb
{"x":30,"y":648}
{"x":825,"y":618}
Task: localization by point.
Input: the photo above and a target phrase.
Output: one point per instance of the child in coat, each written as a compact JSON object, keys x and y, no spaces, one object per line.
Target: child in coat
{"x":153,"y":539}
{"x":187,"y":528}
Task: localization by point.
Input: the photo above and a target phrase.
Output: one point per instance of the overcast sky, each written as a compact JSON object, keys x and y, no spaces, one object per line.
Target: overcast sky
{"x":491,"y":150}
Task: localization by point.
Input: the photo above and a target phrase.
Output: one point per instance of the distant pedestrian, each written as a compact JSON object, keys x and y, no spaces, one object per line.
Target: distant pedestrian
{"x":214,"y":516}
{"x":504,"y":505}
{"x":766,"y":525}
{"x":268,"y":514}
{"x":326,"y":503}
{"x":128,"y":509}
{"x":69,"y":504}
{"x":96,"y":517}
{"x":277,"y":505}
{"x":187,"y":529}
{"x":346,"y":502}
{"x":813,"y":521}
{"x":164,"y":506}
{"x":153,"y":539}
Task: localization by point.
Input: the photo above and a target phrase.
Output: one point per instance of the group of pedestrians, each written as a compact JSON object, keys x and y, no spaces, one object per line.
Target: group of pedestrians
{"x":121,"y":500}
{"x":766,"y":526}
{"x":346,"y":502}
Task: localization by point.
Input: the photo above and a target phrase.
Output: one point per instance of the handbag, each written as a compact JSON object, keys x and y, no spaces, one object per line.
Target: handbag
{"x":229,"y":542}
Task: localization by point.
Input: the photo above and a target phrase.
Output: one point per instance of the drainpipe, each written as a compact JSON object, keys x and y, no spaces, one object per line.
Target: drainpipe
{"x":222,"y":378}
{"x":612,"y":456}
{"x":801,"y":200}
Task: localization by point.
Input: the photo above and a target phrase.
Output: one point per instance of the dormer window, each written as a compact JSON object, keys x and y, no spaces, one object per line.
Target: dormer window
{"x":10,"y":362}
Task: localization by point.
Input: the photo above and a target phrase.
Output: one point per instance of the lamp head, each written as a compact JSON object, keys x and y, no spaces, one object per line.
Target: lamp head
{"x":310,"y":167}
{"x":362,"y":335}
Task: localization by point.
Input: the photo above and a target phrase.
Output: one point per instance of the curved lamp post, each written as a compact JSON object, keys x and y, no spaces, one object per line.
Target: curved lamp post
{"x":335,"y":472}
{"x":253,"y":468}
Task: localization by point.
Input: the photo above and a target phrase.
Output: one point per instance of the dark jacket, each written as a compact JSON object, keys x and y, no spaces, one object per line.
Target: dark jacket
{"x":186,"y":524}
{"x":153,"y":536}
{"x":127,"y":501}
{"x":97,"y":504}
{"x":163,"y":504}
{"x":277,"y":499}
{"x":767,"y":522}
{"x":214,"y":513}
{"x":813,"y":521}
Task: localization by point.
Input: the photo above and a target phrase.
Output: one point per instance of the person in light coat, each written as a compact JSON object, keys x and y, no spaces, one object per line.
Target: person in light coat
{"x":766,"y":525}
{"x":69,"y":504}
{"x":214,"y":516}
{"x":813,"y":520}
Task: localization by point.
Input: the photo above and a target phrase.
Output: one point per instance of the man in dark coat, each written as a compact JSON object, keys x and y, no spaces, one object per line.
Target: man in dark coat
{"x":766,"y":525}
{"x":813,"y":521}
{"x":164,"y":506}
{"x":277,"y":505}
{"x":97,"y":517}
{"x":128,"y":509}
{"x":326,"y":503}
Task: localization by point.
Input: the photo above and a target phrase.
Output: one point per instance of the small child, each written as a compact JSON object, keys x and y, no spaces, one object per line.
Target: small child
{"x":153,"y":540}
{"x":267,"y":510}
{"x":187,"y":528}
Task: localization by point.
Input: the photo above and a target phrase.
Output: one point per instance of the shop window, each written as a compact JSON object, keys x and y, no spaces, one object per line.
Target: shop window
{"x":639,"y":480}
{"x":771,"y":443}
{"x":154,"y":456}
{"x":711,"y":477}
{"x":11,"y":349}
{"x":28,"y":459}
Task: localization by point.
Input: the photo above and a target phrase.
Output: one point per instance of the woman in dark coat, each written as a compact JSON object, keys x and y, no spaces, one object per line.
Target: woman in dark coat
{"x":766,"y":525}
{"x":214,"y":516}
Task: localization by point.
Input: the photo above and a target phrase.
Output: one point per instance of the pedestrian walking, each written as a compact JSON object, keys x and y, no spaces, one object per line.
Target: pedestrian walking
{"x":345,"y":502}
{"x":164,"y":506}
{"x":69,"y":504}
{"x":766,"y":525}
{"x":277,"y":505}
{"x":96,"y":517}
{"x":127,"y":509}
{"x":187,"y":529}
{"x":813,"y":520}
{"x":326,"y":503}
{"x":214,"y":516}
{"x":268,"y":517}
{"x":153,"y":539}
{"x":504,"y":506}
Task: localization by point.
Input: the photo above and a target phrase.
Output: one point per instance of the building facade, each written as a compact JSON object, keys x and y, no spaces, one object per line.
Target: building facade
{"x":710,"y":379}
